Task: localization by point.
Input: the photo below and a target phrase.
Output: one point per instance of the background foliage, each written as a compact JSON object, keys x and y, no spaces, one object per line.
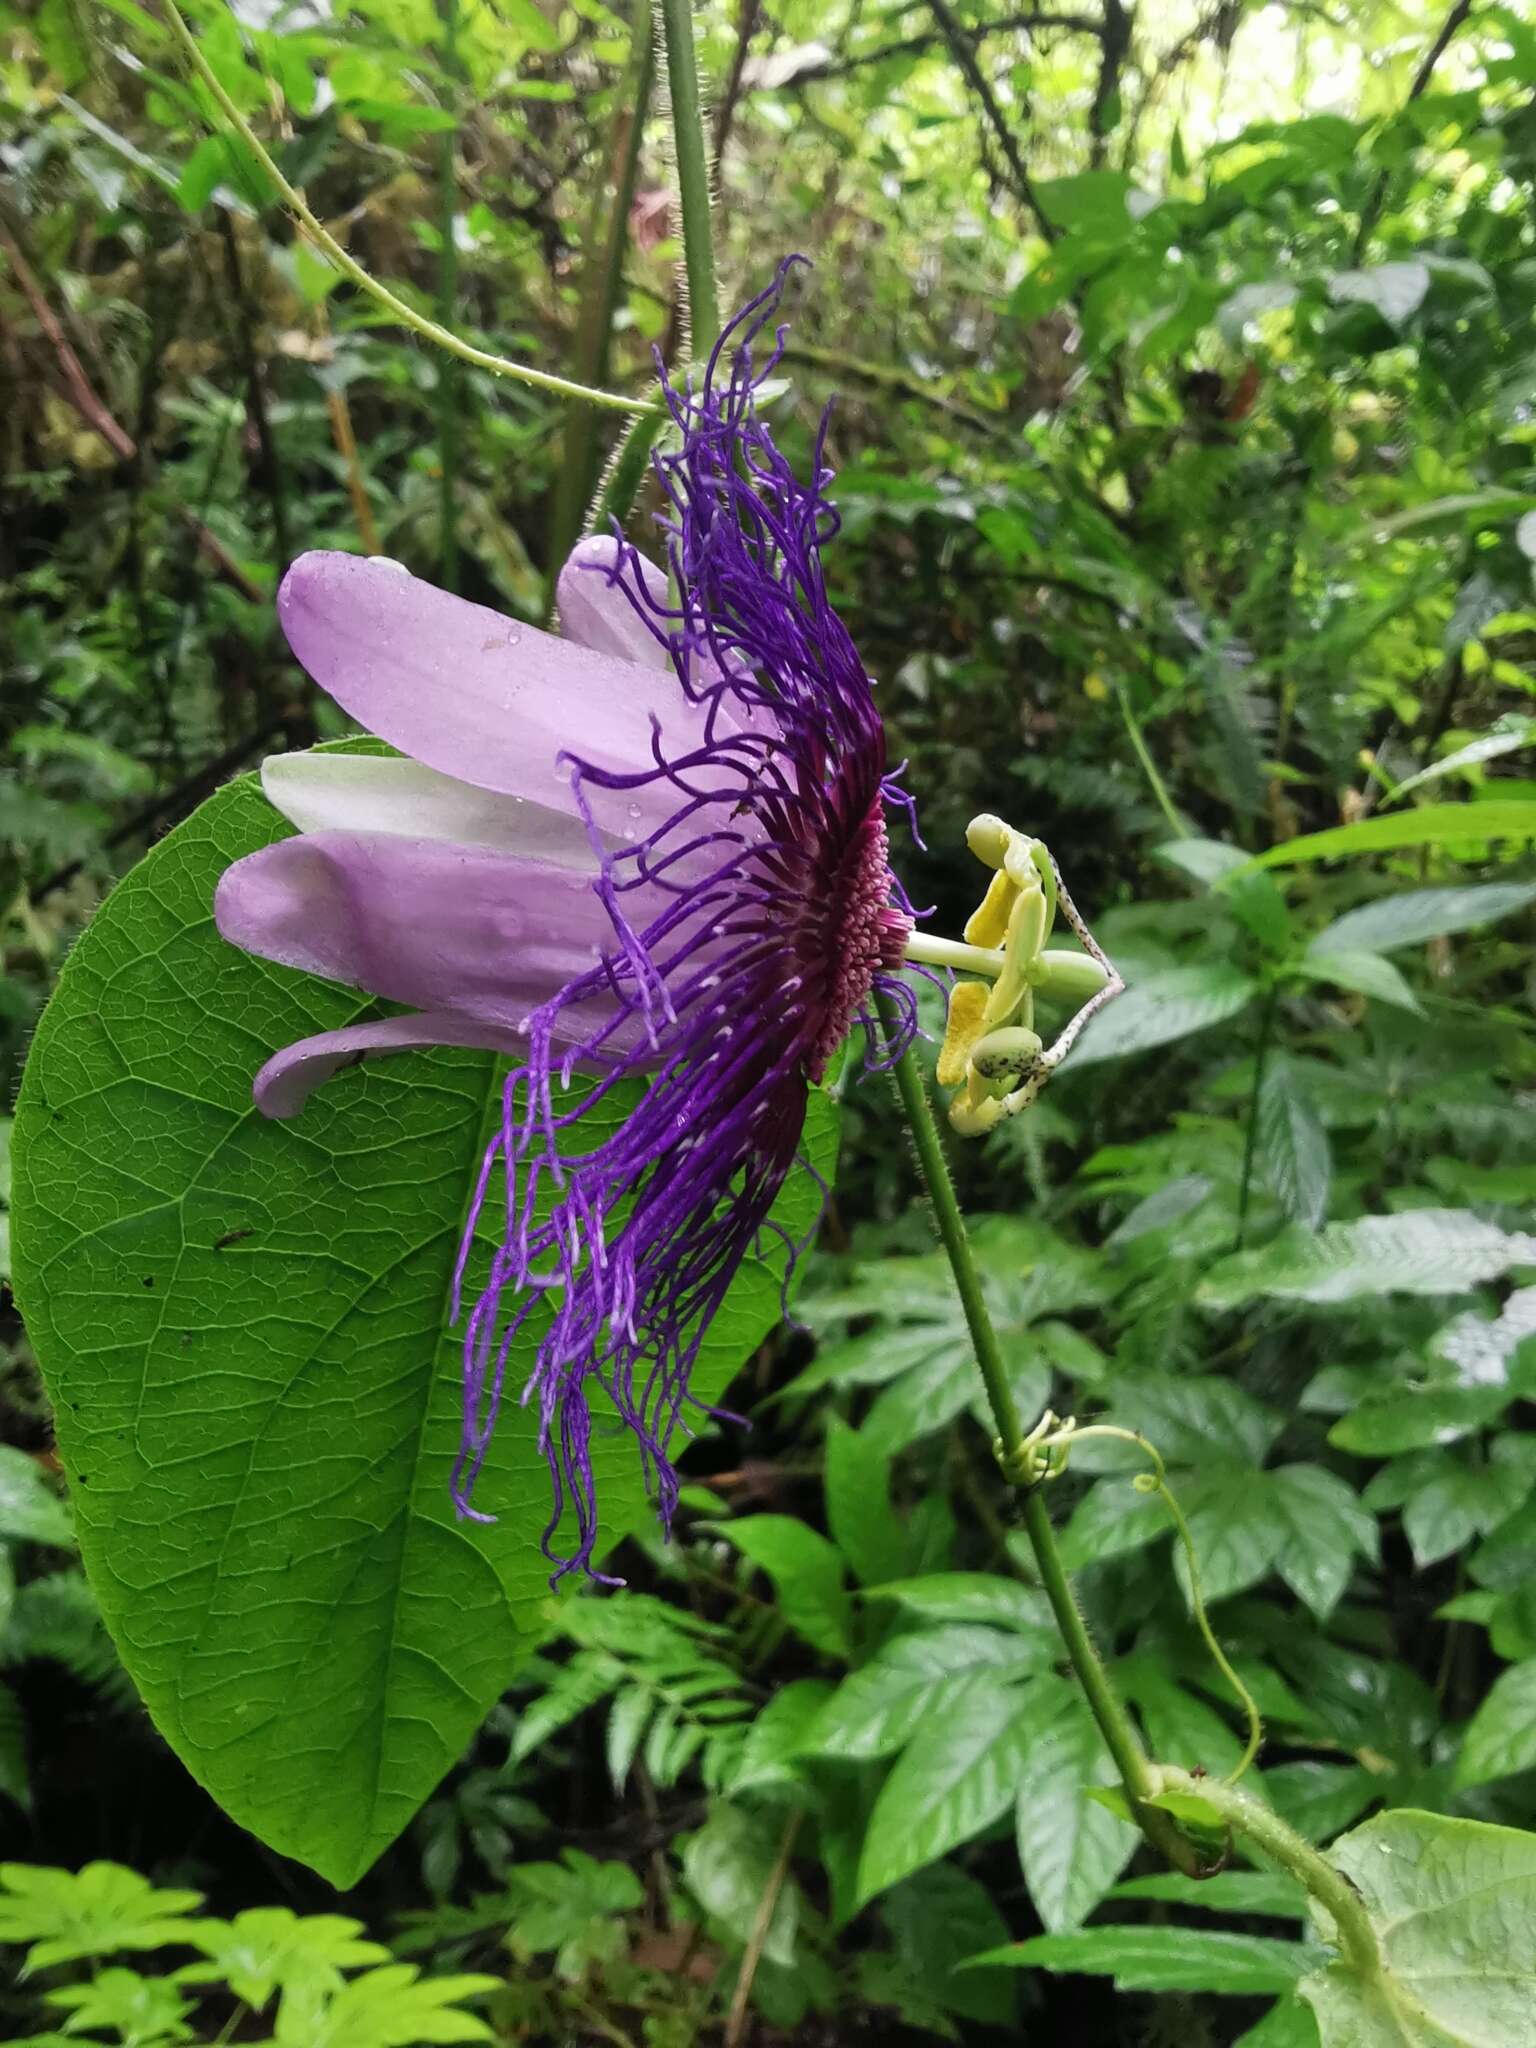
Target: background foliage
{"x":1185,"y":386}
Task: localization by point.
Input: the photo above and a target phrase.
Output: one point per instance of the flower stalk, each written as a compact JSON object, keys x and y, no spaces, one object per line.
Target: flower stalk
{"x":1138,"y":1775}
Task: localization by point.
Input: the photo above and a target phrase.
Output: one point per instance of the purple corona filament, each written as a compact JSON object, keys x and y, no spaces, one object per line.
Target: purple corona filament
{"x":751,"y":927}
{"x":650,"y":851}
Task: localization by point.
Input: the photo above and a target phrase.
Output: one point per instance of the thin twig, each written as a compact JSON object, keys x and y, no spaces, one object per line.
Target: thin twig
{"x":749,"y":14}
{"x":963,"y":51}
{"x":913,"y":46}
{"x":1375,"y":205}
{"x":82,"y":396}
{"x":81,"y":393}
{"x":1115,"y":38}
{"x":735,"y":2025}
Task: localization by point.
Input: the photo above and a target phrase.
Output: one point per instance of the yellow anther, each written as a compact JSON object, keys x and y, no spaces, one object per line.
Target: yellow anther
{"x":989,"y":839}
{"x":967,"y":1020}
{"x":988,"y":926}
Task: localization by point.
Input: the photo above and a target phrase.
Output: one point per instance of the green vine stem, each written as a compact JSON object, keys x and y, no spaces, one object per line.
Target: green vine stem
{"x":447,"y":299}
{"x":1156,"y":1481}
{"x":429,"y":330}
{"x":1137,"y":1773}
{"x":1256,"y":1823}
{"x":692,"y":151}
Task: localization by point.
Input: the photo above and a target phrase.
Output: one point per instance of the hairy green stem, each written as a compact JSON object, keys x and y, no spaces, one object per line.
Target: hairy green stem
{"x":1137,"y":1774}
{"x":430,"y":330}
{"x":1260,"y":1825}
{"x":447,"y":299}
{"x":692,"y":173}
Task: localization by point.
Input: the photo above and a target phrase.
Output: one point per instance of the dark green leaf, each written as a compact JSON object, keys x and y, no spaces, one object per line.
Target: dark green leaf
{"x":1071,"y":1850}
{"x":864,"y":1525}
{"x":1167,"y":1959}
{"x":259,"y":1457}
{"x":956,"y":1776}
{"x":1293,"y":1145}
{"x":1163,"y":1008}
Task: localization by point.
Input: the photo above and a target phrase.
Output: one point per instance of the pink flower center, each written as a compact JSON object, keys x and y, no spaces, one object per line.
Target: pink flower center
{"x":858,"y":932}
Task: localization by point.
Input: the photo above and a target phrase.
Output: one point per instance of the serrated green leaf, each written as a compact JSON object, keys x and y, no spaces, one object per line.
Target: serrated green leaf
{"x":1293,"y":1145}
{"x":1368,"y":974}
{"x":1319,"y":1799}
{"x":779,"y":1734}
{"x":910,"y":1680}
{"x":1260,"y":1892}
{"x":1236,"y":1533}
{"x":1166,"y":1959}
{"x":1421,"y":914}
{"x":1071,"y":1849}
{"x":1431,"y":825}
{"x":1417,"y":1417}
{"x":1327,"y":1529}
{"x":1421,"y":1251}
{"x":1163,"y":1008}
{"x":244,"y":1327}
{"x":936,"y":1919}
{"x":955,"y":1777}
{"x":1502,"y":1737}
{"x":807,"y":1573}
{"x":864,"y":1525}
{"x":727,"y":1865}
{"x":972,"y":1596}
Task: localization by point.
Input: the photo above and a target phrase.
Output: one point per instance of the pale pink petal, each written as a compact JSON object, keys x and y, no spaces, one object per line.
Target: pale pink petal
{"x":595,"y":613}
{"x":441,"y":927}
{"x":291,"y":1076}
{"x":324,"y":790}
{"x":478,"y":696}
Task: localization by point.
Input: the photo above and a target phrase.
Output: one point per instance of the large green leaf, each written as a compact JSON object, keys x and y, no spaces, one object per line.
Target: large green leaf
{"x":1422,"y":1251}
{"x":1502,"y":1737}
{"x":1293,"y":1145}
{"x":955,"y":1778}
{"x":1166,"y":1958}
{"x":1419,"y":914}
{"x":1071,"y":1849}
{"x":1452,"y":1904}
{"x":911,"y":1681}
{"x":244,"y":1328}
{"x":1165,"y":1007}
{"x":1430,"y":825}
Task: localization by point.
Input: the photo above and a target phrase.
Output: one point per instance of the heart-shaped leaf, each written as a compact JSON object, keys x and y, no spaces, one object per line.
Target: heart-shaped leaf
{"x":244,"y":1329}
